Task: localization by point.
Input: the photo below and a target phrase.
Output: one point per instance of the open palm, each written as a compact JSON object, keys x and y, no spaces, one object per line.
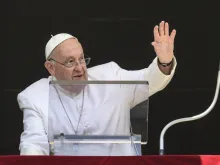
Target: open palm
{"x":163,"y":42}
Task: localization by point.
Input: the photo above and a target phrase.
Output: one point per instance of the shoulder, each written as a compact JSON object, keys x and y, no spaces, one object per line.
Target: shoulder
{"x":36,"y":86}
{"x":108,"y":65}
{"x":104,"y":71}
{"x":34,"y":93}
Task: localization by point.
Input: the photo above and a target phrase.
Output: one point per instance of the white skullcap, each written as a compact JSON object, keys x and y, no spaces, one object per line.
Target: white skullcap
{"x":55,"y":41}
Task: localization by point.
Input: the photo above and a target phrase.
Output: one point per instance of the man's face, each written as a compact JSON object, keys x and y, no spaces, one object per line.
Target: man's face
{"x":69,"y":53}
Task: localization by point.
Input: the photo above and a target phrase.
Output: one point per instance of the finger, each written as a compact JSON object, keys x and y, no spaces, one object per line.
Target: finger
{"x":173,"y":34}
{"x":161,"y":28}
{"x":156,"y":34}
{"x":154,"y":44}
{"x":166,"y":29}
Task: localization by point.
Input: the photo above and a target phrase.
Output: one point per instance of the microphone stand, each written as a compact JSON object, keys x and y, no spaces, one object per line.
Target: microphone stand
{"x":196,"y":117}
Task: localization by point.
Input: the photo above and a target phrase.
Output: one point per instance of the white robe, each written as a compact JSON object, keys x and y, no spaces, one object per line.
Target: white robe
{"x":105,"y":111}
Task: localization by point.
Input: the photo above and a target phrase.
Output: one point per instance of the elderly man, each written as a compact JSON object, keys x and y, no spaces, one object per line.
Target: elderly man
{"x":65,"y":60}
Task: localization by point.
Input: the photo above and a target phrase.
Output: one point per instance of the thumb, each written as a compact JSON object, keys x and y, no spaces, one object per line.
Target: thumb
{"x":153,"y":44}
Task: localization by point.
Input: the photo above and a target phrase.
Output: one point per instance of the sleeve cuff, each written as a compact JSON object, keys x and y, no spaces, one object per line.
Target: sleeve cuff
{"x":31,"y":151}
{"x":172,"y":70}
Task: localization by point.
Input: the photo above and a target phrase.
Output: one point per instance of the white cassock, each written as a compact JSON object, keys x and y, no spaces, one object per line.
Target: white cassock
{"x":104,"y":110}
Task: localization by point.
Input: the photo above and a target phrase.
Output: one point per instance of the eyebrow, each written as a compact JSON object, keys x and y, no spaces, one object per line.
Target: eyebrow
{"x":73,"y":57}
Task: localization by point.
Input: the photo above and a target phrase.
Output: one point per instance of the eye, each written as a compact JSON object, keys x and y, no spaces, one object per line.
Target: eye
{"x":70,"y":61}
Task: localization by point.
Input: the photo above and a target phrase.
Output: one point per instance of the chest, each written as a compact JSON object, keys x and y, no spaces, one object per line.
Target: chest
{"x":100,"y":109}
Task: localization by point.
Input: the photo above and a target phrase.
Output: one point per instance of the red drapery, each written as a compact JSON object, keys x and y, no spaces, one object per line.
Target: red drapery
{"x":139,"y":160}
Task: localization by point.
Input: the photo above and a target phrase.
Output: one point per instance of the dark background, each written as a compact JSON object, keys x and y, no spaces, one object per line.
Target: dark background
{"x":122,"y":31}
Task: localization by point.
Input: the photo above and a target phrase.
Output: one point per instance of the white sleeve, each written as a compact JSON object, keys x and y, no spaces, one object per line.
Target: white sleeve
{"x":34,"y":139}
{"x":156,"y":79}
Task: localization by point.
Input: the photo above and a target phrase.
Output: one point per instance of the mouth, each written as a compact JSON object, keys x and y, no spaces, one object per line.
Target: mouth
{"x":78,"y":76}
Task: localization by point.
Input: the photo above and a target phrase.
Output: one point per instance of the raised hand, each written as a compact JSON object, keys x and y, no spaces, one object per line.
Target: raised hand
{"x":164,"y":42}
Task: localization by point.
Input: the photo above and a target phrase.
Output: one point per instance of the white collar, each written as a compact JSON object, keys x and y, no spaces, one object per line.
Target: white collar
{"x":66,"y":92}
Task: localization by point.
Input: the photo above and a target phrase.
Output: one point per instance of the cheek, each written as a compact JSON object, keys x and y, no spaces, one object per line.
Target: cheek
{"x":68,"y":72}
{"x":84,"y":69}
{"x":64,"y":73}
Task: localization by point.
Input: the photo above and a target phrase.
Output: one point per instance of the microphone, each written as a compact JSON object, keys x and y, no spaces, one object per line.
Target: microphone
{"x":196,"y":117}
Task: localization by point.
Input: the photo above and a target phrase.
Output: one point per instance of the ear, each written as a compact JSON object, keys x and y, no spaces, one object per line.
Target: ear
{"x":50,"y":67}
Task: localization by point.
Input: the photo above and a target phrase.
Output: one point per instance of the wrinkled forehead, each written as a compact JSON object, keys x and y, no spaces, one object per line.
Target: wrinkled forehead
{"x":70,"y":48}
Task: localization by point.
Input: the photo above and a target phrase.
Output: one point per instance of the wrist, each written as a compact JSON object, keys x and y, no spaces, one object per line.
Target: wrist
{"x":164,"y":64}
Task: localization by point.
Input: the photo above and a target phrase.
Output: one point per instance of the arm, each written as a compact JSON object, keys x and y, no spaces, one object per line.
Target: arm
{"x":156,"y":78}
{"x":34,"y":140}
{"x":160,"y":71}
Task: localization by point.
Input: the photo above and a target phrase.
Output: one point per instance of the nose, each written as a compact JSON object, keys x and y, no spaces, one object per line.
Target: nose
{"x":78,"y":66}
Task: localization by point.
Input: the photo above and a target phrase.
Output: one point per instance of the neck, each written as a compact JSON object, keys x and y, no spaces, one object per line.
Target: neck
{"x":72,"y":90}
